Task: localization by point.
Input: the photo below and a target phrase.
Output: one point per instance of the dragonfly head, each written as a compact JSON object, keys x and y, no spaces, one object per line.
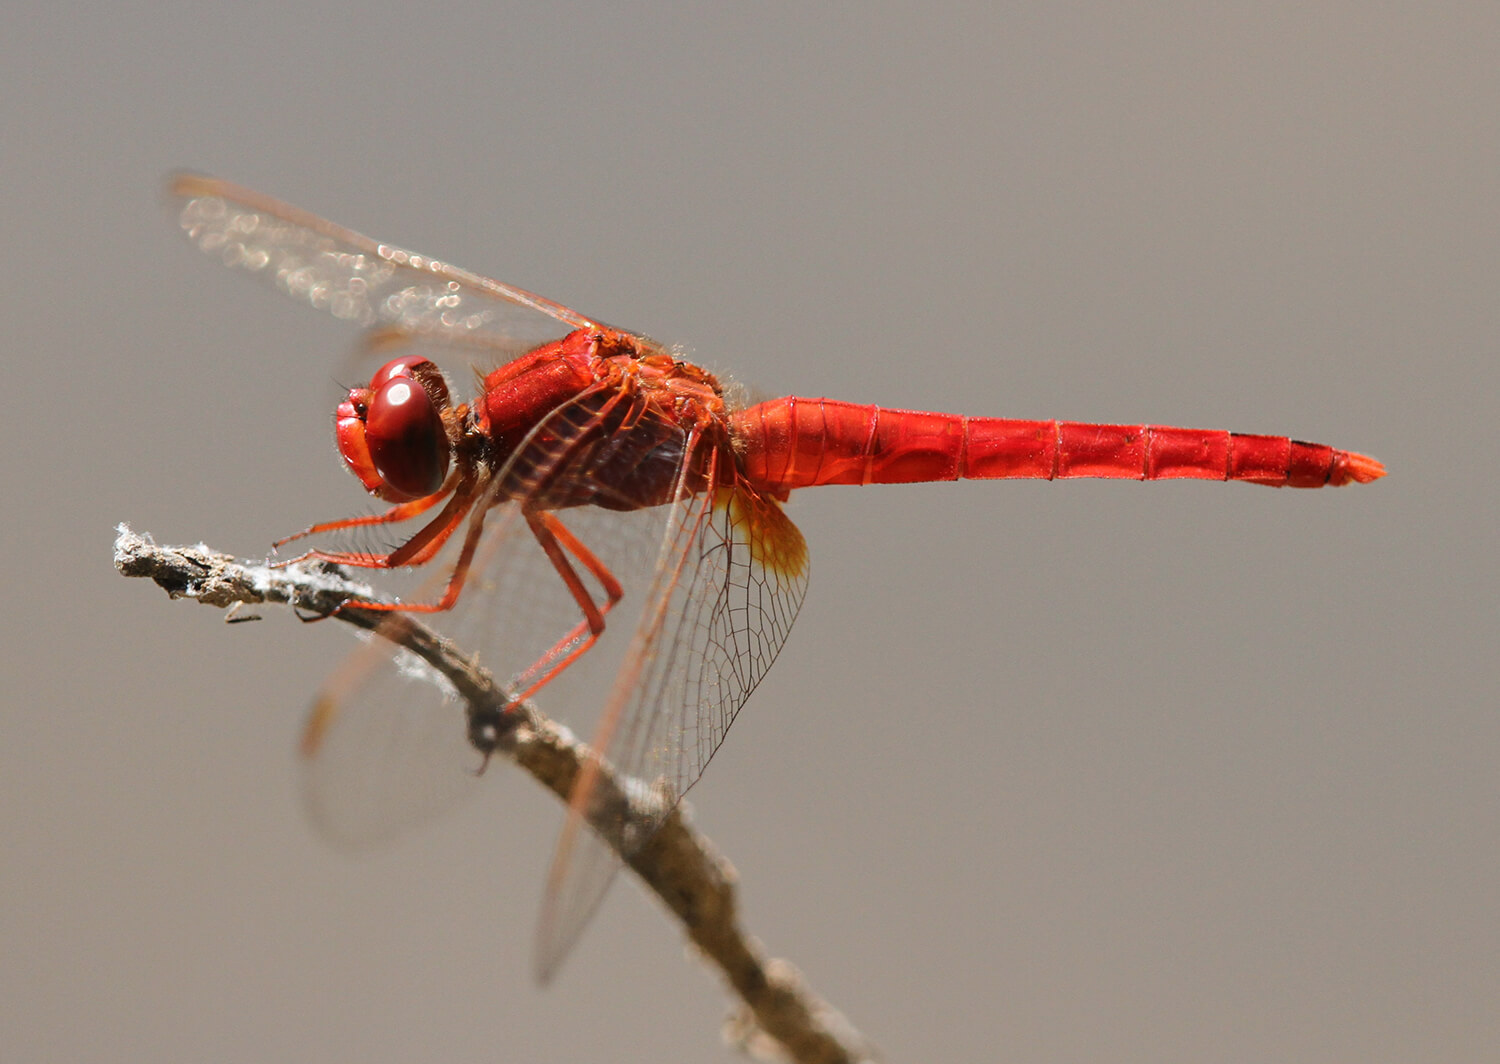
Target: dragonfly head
{"x":391,"y":433}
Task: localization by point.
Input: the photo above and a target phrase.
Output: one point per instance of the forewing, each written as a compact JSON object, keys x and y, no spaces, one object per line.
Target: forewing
{"x":728,"y":585}
{"x":355,"y":278}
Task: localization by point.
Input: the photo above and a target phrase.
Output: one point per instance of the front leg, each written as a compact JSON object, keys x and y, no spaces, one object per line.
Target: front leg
{"x":402,"y":512}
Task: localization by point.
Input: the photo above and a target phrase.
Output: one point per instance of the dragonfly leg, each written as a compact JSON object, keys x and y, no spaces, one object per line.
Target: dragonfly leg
{"x":426,"y":543}
{"x":402,"y":512}
{"x":421,"y":547}
{"x":415,"y":551}
{"x":558,"y":542}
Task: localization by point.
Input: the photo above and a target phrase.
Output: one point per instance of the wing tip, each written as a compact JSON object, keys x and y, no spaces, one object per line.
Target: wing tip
{"x":545,"y":966}
{"x":555,"y":939}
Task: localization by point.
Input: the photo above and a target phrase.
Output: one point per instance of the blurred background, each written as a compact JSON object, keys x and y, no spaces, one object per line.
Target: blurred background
{"x":1047,"y":772}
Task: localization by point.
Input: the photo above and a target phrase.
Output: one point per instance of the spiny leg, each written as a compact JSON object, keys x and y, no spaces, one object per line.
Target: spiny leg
{"x":415,"y":551}
{"x":402,"y":512}
{"x":420,"y":548}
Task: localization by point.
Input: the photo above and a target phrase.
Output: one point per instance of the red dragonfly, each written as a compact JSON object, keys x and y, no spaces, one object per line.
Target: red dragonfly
{"x":582,"y":422}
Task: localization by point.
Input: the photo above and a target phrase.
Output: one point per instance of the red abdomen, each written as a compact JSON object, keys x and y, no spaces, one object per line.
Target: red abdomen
{"x":796,"y":443}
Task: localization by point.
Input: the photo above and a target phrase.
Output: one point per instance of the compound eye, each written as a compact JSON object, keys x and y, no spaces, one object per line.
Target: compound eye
{"x":423,"y":370}
{"x":405,"y":436}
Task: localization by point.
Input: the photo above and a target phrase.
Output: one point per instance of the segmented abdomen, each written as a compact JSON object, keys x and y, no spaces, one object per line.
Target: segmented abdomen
{"x":796,"y":443}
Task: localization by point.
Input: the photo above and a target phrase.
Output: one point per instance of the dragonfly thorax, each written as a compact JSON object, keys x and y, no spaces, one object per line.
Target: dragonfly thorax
{"x":598,"y":418}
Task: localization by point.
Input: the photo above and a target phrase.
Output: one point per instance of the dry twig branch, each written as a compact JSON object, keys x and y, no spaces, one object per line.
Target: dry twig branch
{"x":780,"y":1015}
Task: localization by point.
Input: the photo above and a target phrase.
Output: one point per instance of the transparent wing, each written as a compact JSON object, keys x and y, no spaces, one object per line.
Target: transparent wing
{"x":728,"y":585}
{"x":355,"y":278}
{"x":730,"y":608}
{"x":386,"y":746}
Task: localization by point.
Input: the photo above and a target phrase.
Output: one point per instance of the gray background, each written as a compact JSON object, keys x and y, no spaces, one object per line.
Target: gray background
{"x":1087,"y":771}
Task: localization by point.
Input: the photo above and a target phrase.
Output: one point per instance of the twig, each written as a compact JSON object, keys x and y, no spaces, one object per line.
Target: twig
{"x":780,"y":1016}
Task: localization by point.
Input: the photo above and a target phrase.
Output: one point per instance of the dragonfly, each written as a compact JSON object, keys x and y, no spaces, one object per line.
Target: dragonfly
{"x":588,"y":455}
